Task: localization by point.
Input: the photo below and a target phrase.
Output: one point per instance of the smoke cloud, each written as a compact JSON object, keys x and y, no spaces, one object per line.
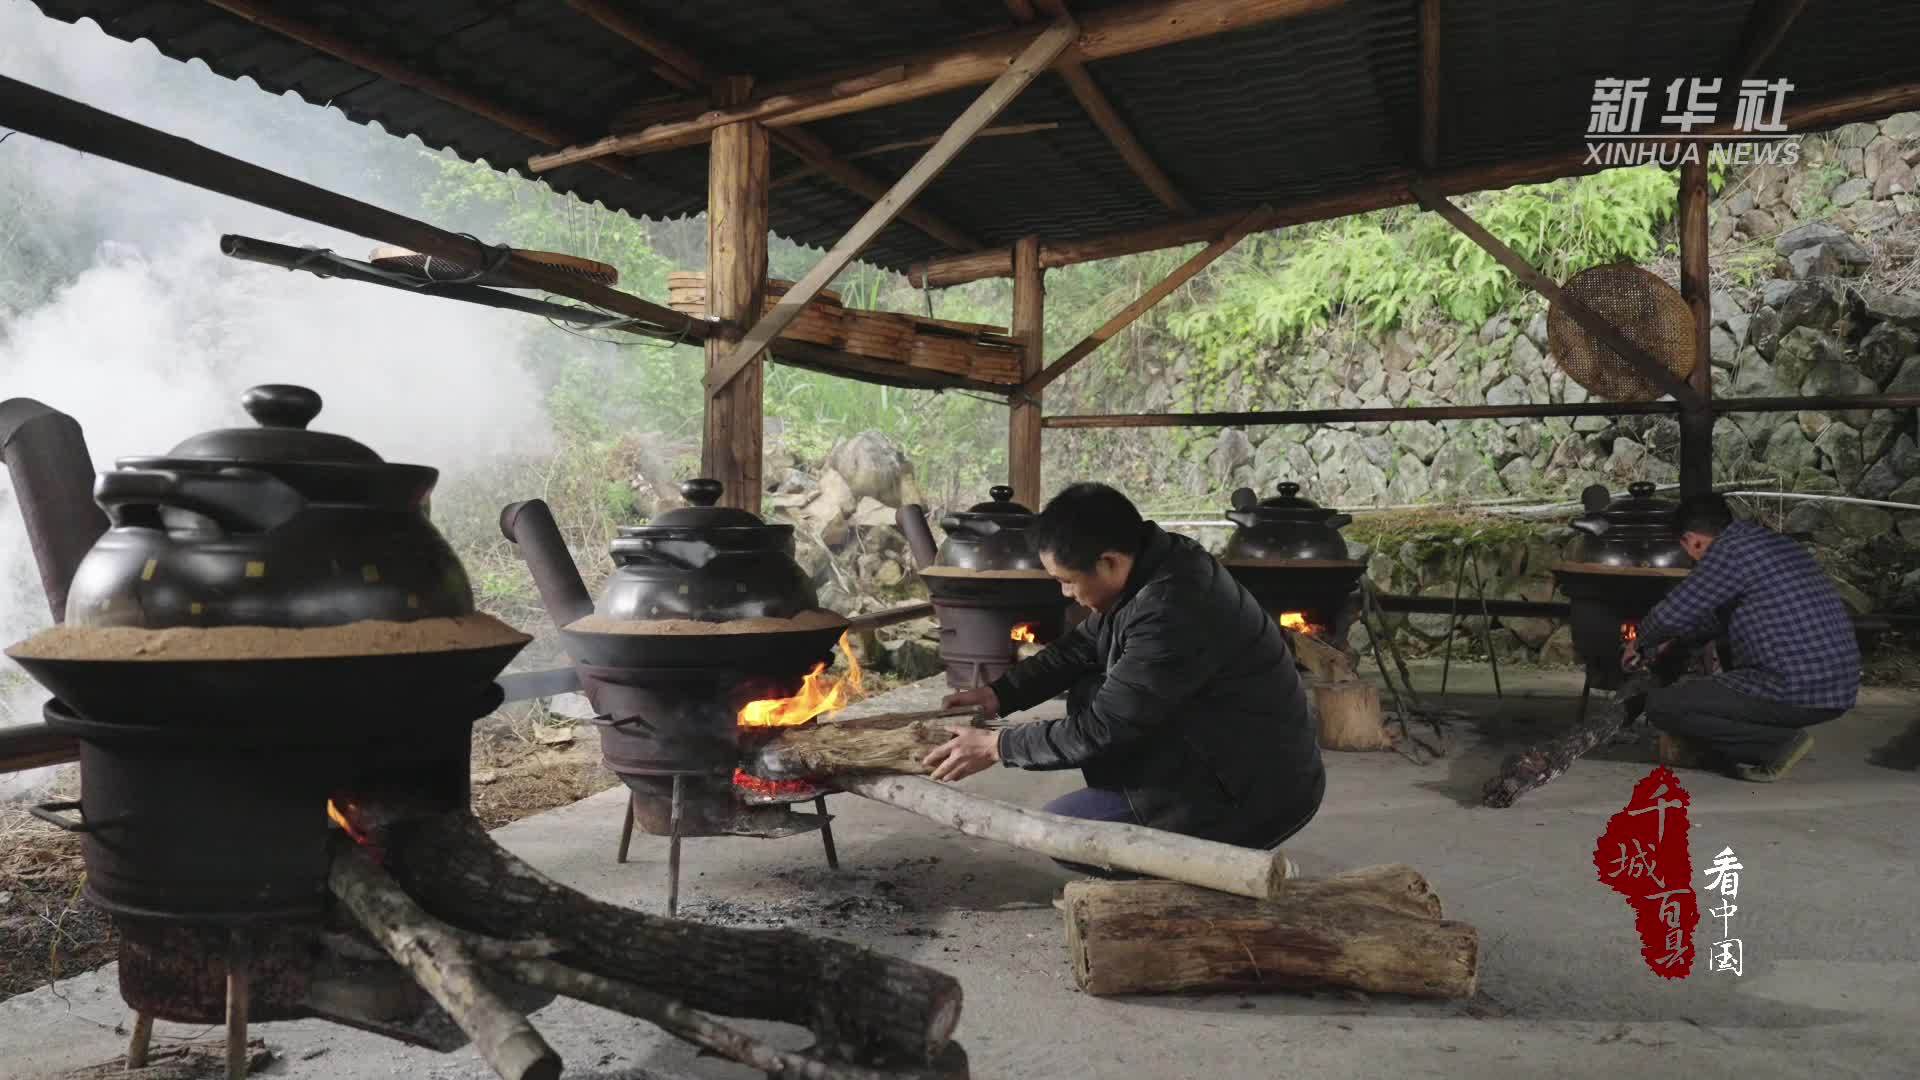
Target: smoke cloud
{"x":157,"y":334}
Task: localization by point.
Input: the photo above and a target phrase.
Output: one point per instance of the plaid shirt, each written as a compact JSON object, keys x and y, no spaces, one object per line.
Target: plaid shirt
{"x":1792,"y":638}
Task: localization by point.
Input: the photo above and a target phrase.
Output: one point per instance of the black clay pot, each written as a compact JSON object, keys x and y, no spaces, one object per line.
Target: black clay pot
{"x":1635,"y":530}
{"x":995,"y":535}
{"x":706,"y":562}
{"x":267,"y":526}
{"x":1283,"y":527}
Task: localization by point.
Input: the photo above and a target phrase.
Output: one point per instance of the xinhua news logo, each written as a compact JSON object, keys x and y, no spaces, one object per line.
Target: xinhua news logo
{"x":1691,"y":129}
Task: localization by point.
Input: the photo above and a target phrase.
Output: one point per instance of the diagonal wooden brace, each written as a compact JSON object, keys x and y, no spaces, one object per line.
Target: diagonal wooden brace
{"x":1024,"y":69}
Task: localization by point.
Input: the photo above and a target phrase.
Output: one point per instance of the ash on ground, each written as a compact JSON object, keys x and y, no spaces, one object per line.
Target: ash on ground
{"x":886,"y":900}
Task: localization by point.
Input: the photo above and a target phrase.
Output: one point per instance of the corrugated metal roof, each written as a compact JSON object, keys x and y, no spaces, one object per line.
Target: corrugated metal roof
{"x":1293,"y":110}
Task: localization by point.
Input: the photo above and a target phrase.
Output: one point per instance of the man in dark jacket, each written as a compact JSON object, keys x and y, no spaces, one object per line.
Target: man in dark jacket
{"x":1795,"y":661}
{"x":1187,"y":713}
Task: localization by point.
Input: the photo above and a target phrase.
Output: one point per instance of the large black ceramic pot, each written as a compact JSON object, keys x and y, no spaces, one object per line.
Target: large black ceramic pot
{"x":1282,"y":528}
{"x":1635,"y":530}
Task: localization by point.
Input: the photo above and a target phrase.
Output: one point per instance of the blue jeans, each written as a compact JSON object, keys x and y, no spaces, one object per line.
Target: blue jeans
{"x":1095,"y":804}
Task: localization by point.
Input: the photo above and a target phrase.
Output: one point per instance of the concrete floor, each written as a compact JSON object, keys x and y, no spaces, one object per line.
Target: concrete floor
{"x":1831,"y":987}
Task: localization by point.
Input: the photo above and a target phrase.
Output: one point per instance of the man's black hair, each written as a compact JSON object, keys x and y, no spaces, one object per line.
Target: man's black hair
{"x":1084,"y":522}
{"x":1704,"y":514}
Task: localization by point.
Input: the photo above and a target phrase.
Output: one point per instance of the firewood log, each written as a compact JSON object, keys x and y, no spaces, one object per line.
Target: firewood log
{"x":862,"y":1006}
{"x":1540,"y":765}
{"x":1242,"y":871}
{"x":888,"y":743}
{"x":1319,"y":659}
{"x":1349,"y":716}
{"x":1376,"y":930}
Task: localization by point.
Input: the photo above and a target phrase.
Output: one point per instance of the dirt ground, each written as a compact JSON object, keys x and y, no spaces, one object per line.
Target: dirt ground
{"x":525,"y":761}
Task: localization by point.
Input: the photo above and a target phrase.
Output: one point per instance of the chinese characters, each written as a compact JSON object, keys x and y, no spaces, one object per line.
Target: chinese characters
{"x":1694,"y":109}
{"x":1643,"y":856}
{"x":1723,"y":877}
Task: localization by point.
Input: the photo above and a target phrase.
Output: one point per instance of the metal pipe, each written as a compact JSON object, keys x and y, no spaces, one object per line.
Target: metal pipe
{"x":46,"y":455}
{"x":1849,"y":499}
{"x":531,"y":527}
{"x":34,"y":746}
{"x":888,"y":617}
{"x":1475,"y":412}
{"x":912,"y":519}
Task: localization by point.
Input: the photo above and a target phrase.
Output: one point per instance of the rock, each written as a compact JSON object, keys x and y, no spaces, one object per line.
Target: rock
{"x":1881,"y":306}
{"x":1840,"y":445}
{"x":1574,"y":393}
{"x":1758,"y":224}
{"x":1813,"y":423}
{"x":1850,"y":192}
{"x":1815,"y":304}
{"x":1739,"y":203}
{"x":1723,"y":348}
{"x":1879,"y":481}
{"x":1877,"y":438}
{"x":1800,"y":352}
{"x":1907,"y":492}
{"x":827,"y":513}
{"x":889,"y":574}
{"x":1526,"y":438}
{"x":1905,"y":457}
{"x":1537,"y":331}
{"x":1519,"y":476}
{"x":1803,"y":237}
{"x":1378,"y":449}
{"x":1509,"y":391}
{"x":1904,"y":125}
{"x":1374,"y":384}
{"x":914,"y":659}
{"x":1588,"y":425}
{"x":1775,"y":292}
{"x":1910,"y":532}
{"x":1409,"y":483}
{"x":1525,"y":357}
{"x":1859,"y":524}
{"x":1764,"y":331}
{"x":1399,"y":385}
{"x":1557,"y":651}
{"x":1818,"y":261}
{"x":1737,"y":328}
{"x":571,"y":707}
{"x":1838,"y":378}
{"x":1898,"y":179}
{"x":1752,"y":375}
{"x":1494,"y":329}
{"x":813,"y":558}
{"x":873,"y":466}
{"x":1858,"y":603}
{"x":1459,"y":471}
{"x":1787,"y":450}
{"x":1883,"y":350}
{"x":1907,"y":379}
{"x":1724,"y":306}
{"x":871,"y":513}
{"x":1232,"y":455}
{"x":1881,"y":152}
{"x":1855,"y":136}
{"x":1627,"y":460}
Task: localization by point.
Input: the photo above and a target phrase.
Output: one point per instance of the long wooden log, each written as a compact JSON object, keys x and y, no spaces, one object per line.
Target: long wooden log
{"x":862,"y":1006}
{"x":1537,"y":766}
{"x":34,"y":746}
{"x":887,"y":743}
{"x":443,"y":967}
{"x":1376,"y":930}
{"x":1242,"y":871}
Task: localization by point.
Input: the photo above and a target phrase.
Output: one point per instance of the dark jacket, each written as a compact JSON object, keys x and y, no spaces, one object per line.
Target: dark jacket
{"x":1200,"y":718}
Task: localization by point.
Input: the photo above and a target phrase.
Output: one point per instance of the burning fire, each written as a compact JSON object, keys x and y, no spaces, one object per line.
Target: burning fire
{"x":819,"y":693}
{"x":1296,"y":622}
{"x":1023,"y":633}
{"x":339,"y":817}
{"x":746,"y":781}
{"x":1629,"y":633}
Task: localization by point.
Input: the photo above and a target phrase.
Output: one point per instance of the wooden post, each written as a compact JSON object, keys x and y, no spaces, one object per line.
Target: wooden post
{"x":738,"y":169}
{"x":1023,"y":419}
{"x":1696,"y":424}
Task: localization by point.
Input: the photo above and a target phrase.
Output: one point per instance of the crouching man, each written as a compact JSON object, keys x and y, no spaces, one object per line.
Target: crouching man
{"x":1795,"y":660}
{"x":1186,"y":713}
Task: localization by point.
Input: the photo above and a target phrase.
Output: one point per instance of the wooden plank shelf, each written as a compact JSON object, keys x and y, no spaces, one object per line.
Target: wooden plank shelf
{"x":868,"y":369}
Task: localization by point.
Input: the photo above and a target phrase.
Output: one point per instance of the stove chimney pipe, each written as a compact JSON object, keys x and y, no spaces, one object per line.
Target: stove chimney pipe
{"x":912,"y":519}
{"x":46,"y":454}
{"x":531,"y":527}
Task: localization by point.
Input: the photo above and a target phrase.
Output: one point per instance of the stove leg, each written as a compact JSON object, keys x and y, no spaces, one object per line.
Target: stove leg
{"x":626,"y":830}
{"x":826,"y":832}
{"x":1453,"y":619}
{"x":673,"y":851}
{"x":1586,"y":689}
{"x":1486,"y":629}
{"x":141,"y":1039}
{"x":239,"y":965}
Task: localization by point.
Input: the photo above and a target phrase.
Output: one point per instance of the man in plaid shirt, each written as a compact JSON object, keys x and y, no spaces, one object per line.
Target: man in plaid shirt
{"x":1795,"y":661}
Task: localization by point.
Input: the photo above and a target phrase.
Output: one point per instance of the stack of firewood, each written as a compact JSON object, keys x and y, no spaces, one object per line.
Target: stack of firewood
{"x":1346,"y":709}
{"x":819,"y":324}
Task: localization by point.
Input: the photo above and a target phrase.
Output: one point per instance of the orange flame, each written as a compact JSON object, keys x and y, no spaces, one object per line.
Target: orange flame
{"x":1296,"y":622}
{"x":339,"y":817}
{"x":1023,"y":633}
{"x":1629,"y":633}
{"x":759,"y":786}
{"x":819,"y":693}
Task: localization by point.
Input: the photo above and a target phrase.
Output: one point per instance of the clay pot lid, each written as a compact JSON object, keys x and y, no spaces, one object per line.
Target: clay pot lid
{"x":283,"y":413}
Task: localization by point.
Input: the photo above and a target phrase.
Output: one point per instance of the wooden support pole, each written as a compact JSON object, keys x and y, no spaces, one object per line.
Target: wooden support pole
{"x":1591,"y":321}
{"x":36,"y":112}
{"x":1253,"y":872}
{"x":738,"y":168}
{"x":1376,"y":930}
{"x":1024,"y":415}
{"x":1696,"y":423}
{"x":1390,"y":190}
{"x":1047,"y":45}
{"x":1251,"y":222}
{"x":1429,"y":84}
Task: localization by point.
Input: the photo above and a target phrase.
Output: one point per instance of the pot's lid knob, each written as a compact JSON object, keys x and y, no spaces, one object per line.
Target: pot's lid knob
{"x":1641,"y":489}
{"x":281,"y":406}
{"x":702,"y":492}
{"x":1001,"y":493}
{"x":1288,"y":489}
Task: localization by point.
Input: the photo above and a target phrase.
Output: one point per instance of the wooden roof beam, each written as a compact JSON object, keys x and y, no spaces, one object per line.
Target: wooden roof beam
{"x":689,"y":72}
{"x":319,"y":40}
{"x":1150,"y":24}
{"x":1766,"y":28}
{"x":994,"y":132}
{"x":1100,"y":110}
{"x":1429,"y":84}
{"x":1025,"y":68}
{"x":1393,"y":190}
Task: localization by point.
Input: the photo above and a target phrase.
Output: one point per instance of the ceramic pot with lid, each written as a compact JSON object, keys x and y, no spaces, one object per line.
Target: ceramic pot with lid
{"x":992,"y":535}
{"x":273,"y":525}
{"x":706,"y":562}
{"x":1634,"y":530}
{"x":1284,"y":527}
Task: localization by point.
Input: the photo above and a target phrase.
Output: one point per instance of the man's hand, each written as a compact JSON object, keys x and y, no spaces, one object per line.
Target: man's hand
{"x":970,"y":750}
{"x":1630,"y":658}
{"x":980,"y":697}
